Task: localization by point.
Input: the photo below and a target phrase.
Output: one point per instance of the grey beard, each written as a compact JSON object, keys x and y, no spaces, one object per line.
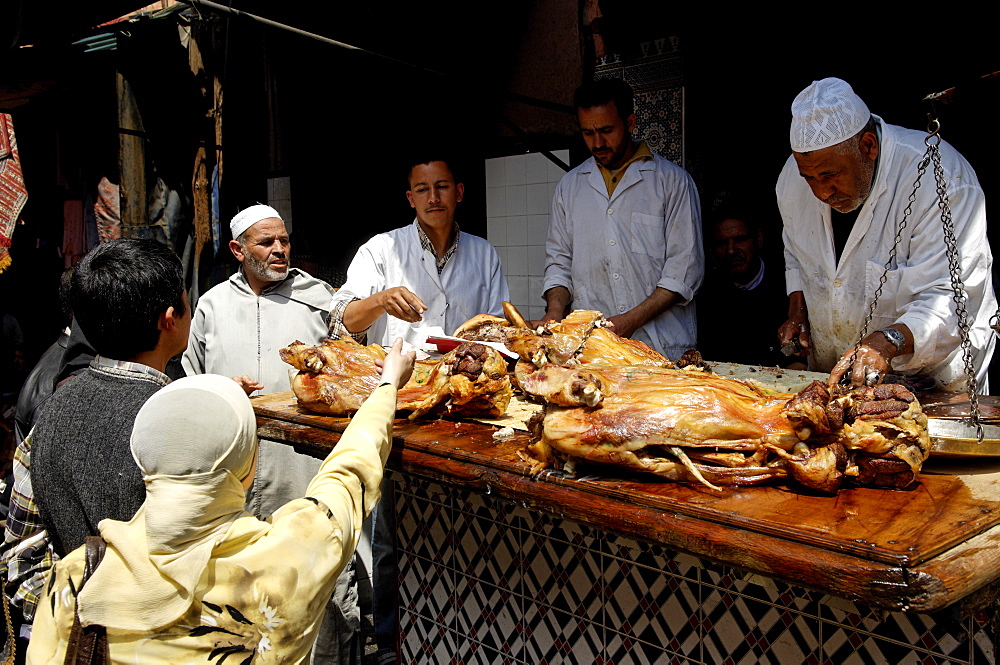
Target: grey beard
{"x":261,"y":271}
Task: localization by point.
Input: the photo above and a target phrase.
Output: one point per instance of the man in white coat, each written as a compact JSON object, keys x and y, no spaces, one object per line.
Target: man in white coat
{"x":625,"y":232}
{"x":428,"y":273}
{"x":841,"y":195}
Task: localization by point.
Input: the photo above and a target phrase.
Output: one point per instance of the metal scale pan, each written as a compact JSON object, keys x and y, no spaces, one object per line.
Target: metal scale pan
{"x":958,"y":439}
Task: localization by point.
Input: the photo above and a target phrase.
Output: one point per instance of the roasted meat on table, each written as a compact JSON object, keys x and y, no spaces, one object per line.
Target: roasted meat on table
{"x":470,"y":380}
{"x":582,"y":337}
{"x":691,"y":425}
{"x":337,"y":376}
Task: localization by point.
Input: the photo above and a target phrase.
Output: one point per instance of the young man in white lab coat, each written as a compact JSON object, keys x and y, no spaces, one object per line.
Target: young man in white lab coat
{"x":428,"y":273}
{"x":625,"y":232}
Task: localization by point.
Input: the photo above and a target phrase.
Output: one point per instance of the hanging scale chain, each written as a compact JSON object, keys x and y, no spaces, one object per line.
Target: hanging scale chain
{"x":933,"y":155}
{"x":958,"y":288}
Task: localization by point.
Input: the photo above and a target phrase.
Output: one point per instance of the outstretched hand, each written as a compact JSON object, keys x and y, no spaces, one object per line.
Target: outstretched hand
{"x":868,"y":365}
{"x":247,"y":384}
{"x":397,"y":366}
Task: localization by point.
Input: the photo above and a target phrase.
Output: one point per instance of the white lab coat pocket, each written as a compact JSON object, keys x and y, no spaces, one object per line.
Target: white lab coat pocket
{"x":647,"y":235}
{"x":885,"y":312}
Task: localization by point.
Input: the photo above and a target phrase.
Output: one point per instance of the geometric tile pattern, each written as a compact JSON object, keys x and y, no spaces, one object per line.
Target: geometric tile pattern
{"x":485,"y":580}
{"x":660,"y":121}
{"x":658,"y":84}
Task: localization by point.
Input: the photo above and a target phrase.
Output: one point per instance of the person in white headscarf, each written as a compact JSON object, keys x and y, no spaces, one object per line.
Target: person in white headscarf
{"x":192,"y":576}
{"x":237,"y":329}
{"x":841,"y":195}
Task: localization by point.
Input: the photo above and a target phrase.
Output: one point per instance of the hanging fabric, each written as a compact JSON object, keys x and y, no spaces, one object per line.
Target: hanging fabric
{"x":13,"y":194}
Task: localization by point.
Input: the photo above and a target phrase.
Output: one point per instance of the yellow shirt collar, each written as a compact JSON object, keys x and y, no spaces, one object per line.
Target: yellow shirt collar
{"x":612,"y":178}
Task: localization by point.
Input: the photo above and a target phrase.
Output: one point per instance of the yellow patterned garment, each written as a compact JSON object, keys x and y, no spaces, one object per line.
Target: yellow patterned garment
{"x":266,"y":584}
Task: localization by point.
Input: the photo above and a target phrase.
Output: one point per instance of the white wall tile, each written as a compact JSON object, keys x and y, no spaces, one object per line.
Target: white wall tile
{"x":502,"y":254}
{"x":535,"y":291}
{"x":516,"y":200}
{"x":515,"y":169}
{"x":496,"y":202}
{"x":538,"y":229}
{"x":555,"y":172}
{"x":536,"y":260}
{"x":536,"y":168}
{"x":518,"y":290}
{"x":517,"y":231}
{"x":496,"y":231}
{"x":517,"y":261}
{"x":496,"y":172}
{"x":537,"y":199}
{"x":535,"y":312}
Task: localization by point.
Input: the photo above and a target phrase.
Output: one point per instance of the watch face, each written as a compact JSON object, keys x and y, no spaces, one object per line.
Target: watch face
{"x":894,"y":336}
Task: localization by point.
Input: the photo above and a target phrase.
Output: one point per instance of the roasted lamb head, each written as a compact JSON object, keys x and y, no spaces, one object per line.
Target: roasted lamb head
{"x":470,"y":380}
{"x":335,"y":377}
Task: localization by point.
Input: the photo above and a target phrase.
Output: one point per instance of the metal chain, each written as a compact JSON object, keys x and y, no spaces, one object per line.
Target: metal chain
{"x":957,"y":286}
{"x":933,"y":154}
{"x":921,"y":169}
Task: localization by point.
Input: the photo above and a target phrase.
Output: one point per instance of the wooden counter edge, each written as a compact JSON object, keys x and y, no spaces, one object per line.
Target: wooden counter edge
{"x":936,"y":584}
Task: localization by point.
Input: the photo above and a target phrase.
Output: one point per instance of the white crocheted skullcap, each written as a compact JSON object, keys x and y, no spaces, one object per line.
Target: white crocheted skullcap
{"x":826,"y":113}
{"x":250,"y":216}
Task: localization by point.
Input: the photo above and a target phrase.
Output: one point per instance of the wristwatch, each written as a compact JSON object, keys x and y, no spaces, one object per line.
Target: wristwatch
{"x":895,"y":337}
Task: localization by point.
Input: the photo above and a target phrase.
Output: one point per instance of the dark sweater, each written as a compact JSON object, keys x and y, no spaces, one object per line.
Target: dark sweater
{"x":82,"y":469}
{"x":740,"y":326}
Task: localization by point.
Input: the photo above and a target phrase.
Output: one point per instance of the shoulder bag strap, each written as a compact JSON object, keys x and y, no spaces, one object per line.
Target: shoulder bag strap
{"x":88,"y":646}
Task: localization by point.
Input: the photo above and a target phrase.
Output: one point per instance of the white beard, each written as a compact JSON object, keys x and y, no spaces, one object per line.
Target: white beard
{"x":261,"y":271}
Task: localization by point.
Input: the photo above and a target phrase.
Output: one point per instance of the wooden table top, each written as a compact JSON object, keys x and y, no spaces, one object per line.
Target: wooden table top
{"x":920,"y":549}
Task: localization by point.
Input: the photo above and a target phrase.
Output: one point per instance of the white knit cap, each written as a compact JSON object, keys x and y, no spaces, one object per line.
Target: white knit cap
{"x":247,"y":218}
{"x":826,"y":113}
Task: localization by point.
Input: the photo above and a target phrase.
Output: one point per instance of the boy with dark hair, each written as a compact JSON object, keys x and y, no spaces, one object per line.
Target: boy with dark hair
{"x":75,"y":468}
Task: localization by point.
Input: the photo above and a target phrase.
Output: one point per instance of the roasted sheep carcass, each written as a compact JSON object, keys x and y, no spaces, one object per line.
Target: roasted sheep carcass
{"x":580,"y":338}
{"x":584,"y":336}
{"x":337,"y":376}
{"x":691,"y":425}
{"x":470,"y":380}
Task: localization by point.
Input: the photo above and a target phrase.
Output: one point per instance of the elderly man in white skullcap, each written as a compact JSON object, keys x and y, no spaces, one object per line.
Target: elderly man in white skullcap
{"x":237,"y":330}
{"x":240,"y":325}
{"x":841,"y":195}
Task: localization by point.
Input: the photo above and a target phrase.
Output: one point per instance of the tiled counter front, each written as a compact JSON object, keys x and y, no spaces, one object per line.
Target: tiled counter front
{"x":484,"y":580}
